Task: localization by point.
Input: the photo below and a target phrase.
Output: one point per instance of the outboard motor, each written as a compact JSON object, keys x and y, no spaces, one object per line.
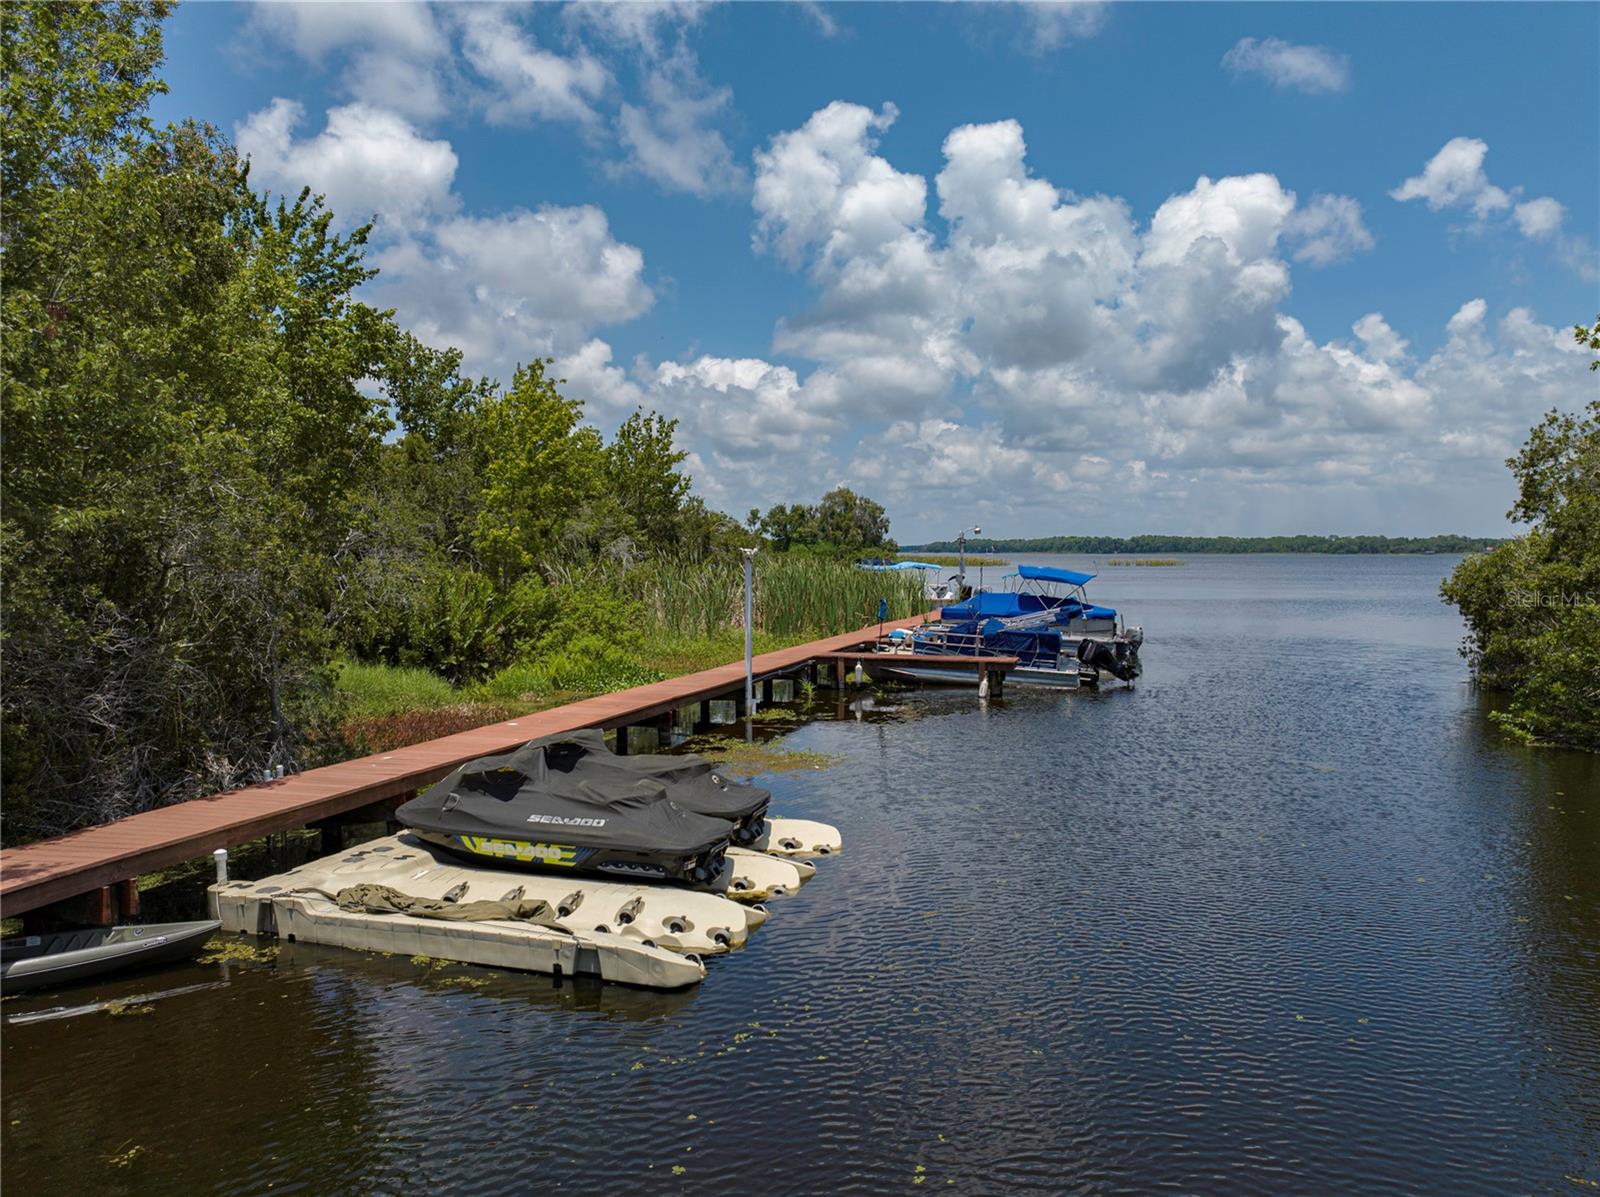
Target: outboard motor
{"x":1117,"y":658}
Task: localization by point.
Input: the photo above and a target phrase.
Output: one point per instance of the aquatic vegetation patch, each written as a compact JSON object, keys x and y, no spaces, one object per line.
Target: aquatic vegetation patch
{"x":126,"y":1156}
{"x":742,"y":758}
{"x":234,"y":950}
{"x":124,"y":1008}
{"x":461,"y":982}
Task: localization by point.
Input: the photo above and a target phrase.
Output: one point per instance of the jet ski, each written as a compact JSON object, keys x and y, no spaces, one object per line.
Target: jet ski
{"x":692,"y":781}
{"x":514,"y":809}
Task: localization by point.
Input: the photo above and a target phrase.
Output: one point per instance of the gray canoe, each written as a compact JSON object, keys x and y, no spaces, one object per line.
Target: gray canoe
{"x":46,"y":961}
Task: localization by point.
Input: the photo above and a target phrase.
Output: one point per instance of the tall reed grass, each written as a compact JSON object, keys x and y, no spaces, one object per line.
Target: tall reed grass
{"x":794,"y":594}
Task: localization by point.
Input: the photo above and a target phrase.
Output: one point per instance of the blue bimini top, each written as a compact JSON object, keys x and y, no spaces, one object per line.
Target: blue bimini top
{"x":1048,"y":573}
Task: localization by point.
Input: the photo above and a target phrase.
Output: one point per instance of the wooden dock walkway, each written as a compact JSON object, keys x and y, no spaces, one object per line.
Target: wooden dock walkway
{"x":84,"y":862}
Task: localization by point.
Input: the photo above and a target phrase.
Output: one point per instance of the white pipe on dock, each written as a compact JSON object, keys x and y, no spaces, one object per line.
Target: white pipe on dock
{"x":220,"y":857}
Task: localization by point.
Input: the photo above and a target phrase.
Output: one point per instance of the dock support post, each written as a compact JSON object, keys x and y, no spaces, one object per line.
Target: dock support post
{"x":127,"y":895}
{"x":330,"y":835}
{"x":838,"y":672}
{"x":100,"y":907}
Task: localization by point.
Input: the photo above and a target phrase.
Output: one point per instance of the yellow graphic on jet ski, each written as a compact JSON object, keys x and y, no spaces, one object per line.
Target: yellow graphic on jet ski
{"x":527,"y":853}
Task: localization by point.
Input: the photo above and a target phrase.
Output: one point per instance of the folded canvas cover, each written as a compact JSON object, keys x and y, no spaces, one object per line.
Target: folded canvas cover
{"x":515,"y":809}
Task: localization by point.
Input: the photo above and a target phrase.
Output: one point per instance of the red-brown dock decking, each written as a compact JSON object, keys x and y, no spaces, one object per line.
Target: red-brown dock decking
{"x":83,"y":862}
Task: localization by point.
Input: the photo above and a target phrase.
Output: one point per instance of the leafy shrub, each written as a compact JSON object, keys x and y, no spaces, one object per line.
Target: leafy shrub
{"x":455,"y":622}
{"x":589,"y":663}
{"x":1532,"y":605}
{"x":1559,"y":701}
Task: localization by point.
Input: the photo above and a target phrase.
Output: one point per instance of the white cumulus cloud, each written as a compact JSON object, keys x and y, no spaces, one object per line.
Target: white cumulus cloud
{"x":671,"y":137}
{"x":508,"y":287}
{"x":1310,"y":69}
{"x":1041,"y":342}
{"x":365,"y":160}
{"x":1329,"y":229}
{"x":530,"y":81}
{"x":671,"y":133}
{"x":394,"y":56}
{"x":1539,"y":218}
{"x":1454,"y":177}
{"x":1051,"y":24}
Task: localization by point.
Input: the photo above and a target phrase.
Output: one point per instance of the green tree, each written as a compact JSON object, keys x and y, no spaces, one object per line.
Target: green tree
{"x":1532,"y":605}
{"x":641,"y":472}
{"x":787,"y":526}
{"x":843,"y":522}
{"x":852,"y":521}
{"x":183,"y":419}
{"x":1589,"y":337}
{"x":540,"y":465}
{"x":430,"y":398}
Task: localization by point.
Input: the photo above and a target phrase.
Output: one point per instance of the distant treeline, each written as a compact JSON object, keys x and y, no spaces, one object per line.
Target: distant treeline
{"x":1222,"y":544}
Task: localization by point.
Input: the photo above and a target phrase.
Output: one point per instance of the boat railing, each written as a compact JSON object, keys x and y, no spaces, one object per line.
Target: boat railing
{"x":957,"y":644}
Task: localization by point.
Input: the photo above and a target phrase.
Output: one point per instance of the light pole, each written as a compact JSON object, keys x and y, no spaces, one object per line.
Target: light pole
{"x":749,"y":637}
{"x":961,"y":545}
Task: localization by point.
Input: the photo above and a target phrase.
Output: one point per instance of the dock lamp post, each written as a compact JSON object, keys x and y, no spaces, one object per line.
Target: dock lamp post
{"x":961,"y":545}
{"x":749,"y":632}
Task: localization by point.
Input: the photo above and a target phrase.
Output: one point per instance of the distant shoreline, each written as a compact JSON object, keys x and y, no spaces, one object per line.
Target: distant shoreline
{"x":1134,"y":545}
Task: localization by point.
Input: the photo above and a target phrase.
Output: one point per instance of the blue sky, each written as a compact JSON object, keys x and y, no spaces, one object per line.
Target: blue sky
{"x":1052,"y":268}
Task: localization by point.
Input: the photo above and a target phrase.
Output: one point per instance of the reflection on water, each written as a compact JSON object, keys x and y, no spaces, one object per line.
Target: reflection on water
{"x":1285,"y":917}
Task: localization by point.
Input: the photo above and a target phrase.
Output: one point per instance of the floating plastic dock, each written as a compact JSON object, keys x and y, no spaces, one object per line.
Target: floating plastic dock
{"x":635,"y":934}
{"x":672,"y":917}
{"x":751,"y":876}
{"x":800,"y":838}
{"x":312,"y":918}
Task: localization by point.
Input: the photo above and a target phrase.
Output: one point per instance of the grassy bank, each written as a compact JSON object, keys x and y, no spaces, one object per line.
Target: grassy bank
{"x":679,"y":618}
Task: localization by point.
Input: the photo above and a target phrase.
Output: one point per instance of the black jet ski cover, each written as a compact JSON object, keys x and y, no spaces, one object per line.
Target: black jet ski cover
{"x":692,"y":781}
{"x":513,"y":809}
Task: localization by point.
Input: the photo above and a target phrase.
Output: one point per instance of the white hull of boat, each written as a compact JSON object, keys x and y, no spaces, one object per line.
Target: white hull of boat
{"x":904,"y":670}
{"x":1054,"y":679}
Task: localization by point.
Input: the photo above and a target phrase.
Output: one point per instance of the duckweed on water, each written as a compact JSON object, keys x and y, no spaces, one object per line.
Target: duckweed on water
{"x":744,"y":759}
{"x":124,"y":1158}
{"x":231,"y":950}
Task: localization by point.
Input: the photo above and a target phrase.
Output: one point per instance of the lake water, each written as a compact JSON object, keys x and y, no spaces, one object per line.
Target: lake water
{"x":1285,"y":917}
